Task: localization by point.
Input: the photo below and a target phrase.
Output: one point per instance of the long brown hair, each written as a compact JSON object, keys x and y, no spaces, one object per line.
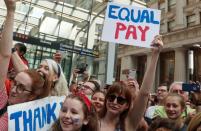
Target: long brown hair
{"x":88,"y":113}
{"x":195,"y":122}
{"x":39,"y":84}
{"x":119,"y":88}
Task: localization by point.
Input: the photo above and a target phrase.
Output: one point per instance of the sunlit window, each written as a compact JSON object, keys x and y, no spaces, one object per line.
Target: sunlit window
{"x":191,"y":20}
{"x":171,"y":25}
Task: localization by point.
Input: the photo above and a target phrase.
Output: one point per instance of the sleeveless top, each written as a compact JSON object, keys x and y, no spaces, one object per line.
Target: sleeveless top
{"x":118,"y":127}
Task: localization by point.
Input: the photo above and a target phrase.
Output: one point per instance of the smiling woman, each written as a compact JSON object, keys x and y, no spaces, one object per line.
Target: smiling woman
{"x":27,"y":85}
{"x":55,"y":77}
{"x":174,"y":106}
{"x":98,"y":99}
{"x":117,"y":103}
{"x":76,"y":114}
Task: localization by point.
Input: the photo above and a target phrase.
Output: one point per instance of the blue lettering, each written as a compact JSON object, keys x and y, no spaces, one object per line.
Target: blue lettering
{"x":112,"y":11}
{"x":152,"y":18}
{"x":16,"y":117}
{"x":37,"y":116}
{"x":27,"y":119}
{"x":44,"y":116}
{"x":145,"y":16}
{"x":50,"y":113}
{"x":61,"y":104}
{"x":136,"y":20}
{"x":127,"y":14}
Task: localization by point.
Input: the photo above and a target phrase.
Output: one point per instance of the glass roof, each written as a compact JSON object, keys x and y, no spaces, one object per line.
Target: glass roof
{"x":53,"y":18}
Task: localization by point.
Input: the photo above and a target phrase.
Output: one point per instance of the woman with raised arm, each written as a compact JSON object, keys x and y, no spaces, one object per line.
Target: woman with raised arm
{"x":5,"y":54}
{"x":28,"y":85}
{"x":121,"y":112}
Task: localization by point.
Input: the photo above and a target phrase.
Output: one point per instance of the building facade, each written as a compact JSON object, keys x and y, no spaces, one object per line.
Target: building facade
{"x":180,"y":60}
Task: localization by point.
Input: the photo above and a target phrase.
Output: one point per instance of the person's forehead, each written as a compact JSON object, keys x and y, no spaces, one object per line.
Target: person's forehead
{"x":99,"y":94}
{"x":44,"y":63}
{"x":80,"y":82}
{"x":118,"y":94}
{"x":73,"y":103}
{"x":89,"y":84}
{"x":162,"y":87}
{"x":172,"y":99}
{"x":23,"y":78}
{"x":177,"y":87}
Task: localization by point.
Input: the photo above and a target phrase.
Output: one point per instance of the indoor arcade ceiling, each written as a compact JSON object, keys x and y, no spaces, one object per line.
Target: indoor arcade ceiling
{"x":46,"y":18}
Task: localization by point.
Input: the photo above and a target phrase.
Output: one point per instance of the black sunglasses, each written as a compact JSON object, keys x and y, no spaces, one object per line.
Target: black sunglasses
{"x":120,"y":100}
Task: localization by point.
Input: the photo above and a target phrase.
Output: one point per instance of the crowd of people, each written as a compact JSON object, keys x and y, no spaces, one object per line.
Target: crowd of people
{"x":88,"y":106}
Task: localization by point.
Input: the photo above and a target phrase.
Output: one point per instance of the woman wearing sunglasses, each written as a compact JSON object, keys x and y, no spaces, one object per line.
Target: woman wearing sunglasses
{"x":121,"y":112}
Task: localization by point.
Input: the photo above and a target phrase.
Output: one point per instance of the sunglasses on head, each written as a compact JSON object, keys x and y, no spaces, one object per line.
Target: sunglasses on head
{"x":120,"y":100}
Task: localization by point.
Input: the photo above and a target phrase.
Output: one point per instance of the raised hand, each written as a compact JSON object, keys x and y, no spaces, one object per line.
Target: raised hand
{"x":10,"y":5}
{"x":157,"y":43}
{"x":132,"y":83}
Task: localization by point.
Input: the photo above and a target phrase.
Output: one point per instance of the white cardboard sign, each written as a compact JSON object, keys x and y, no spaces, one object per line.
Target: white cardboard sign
{"x":38,"y":115}
{"x":130,"y":25}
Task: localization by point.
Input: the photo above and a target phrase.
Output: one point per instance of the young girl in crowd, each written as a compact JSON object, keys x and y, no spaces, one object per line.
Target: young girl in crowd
{"x":98,"y":99}
{"x":174,"y":107}
{"x":76,"y":114}
{"x":121,"y":112}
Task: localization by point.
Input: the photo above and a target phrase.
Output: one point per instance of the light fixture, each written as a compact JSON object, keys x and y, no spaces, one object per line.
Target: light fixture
{"x":197,"y":45}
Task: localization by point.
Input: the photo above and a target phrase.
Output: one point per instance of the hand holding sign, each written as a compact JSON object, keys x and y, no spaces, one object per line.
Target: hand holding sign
{"x":130,"y":25}
{"x":157,"y":43}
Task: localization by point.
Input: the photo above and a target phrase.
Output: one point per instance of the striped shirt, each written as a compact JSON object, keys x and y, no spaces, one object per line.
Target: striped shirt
{"x":4,"y":117}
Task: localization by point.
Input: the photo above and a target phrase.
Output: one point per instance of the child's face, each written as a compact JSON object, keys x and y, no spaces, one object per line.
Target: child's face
{"x":173,"y":107}
{"x":71,"y":115}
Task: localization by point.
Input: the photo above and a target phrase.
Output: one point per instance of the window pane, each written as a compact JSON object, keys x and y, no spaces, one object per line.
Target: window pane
{"x":191,"y":19}
{"x":171,"y":25}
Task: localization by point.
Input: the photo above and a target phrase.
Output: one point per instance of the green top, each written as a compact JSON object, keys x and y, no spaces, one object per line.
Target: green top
{"x":160,"y":112}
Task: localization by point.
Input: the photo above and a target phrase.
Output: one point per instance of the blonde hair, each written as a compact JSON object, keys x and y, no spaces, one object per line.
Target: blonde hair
{"x":60,"y":87}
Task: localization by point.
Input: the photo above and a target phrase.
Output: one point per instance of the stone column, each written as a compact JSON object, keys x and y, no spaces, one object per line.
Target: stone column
{"x":180,"y":23}
{"x":127,"y":62}
{"x":180,"y":64}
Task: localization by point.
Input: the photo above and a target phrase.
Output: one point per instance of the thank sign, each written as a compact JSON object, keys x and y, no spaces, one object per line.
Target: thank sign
{"x":38,"y":115}
{"x":130,"y":25}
